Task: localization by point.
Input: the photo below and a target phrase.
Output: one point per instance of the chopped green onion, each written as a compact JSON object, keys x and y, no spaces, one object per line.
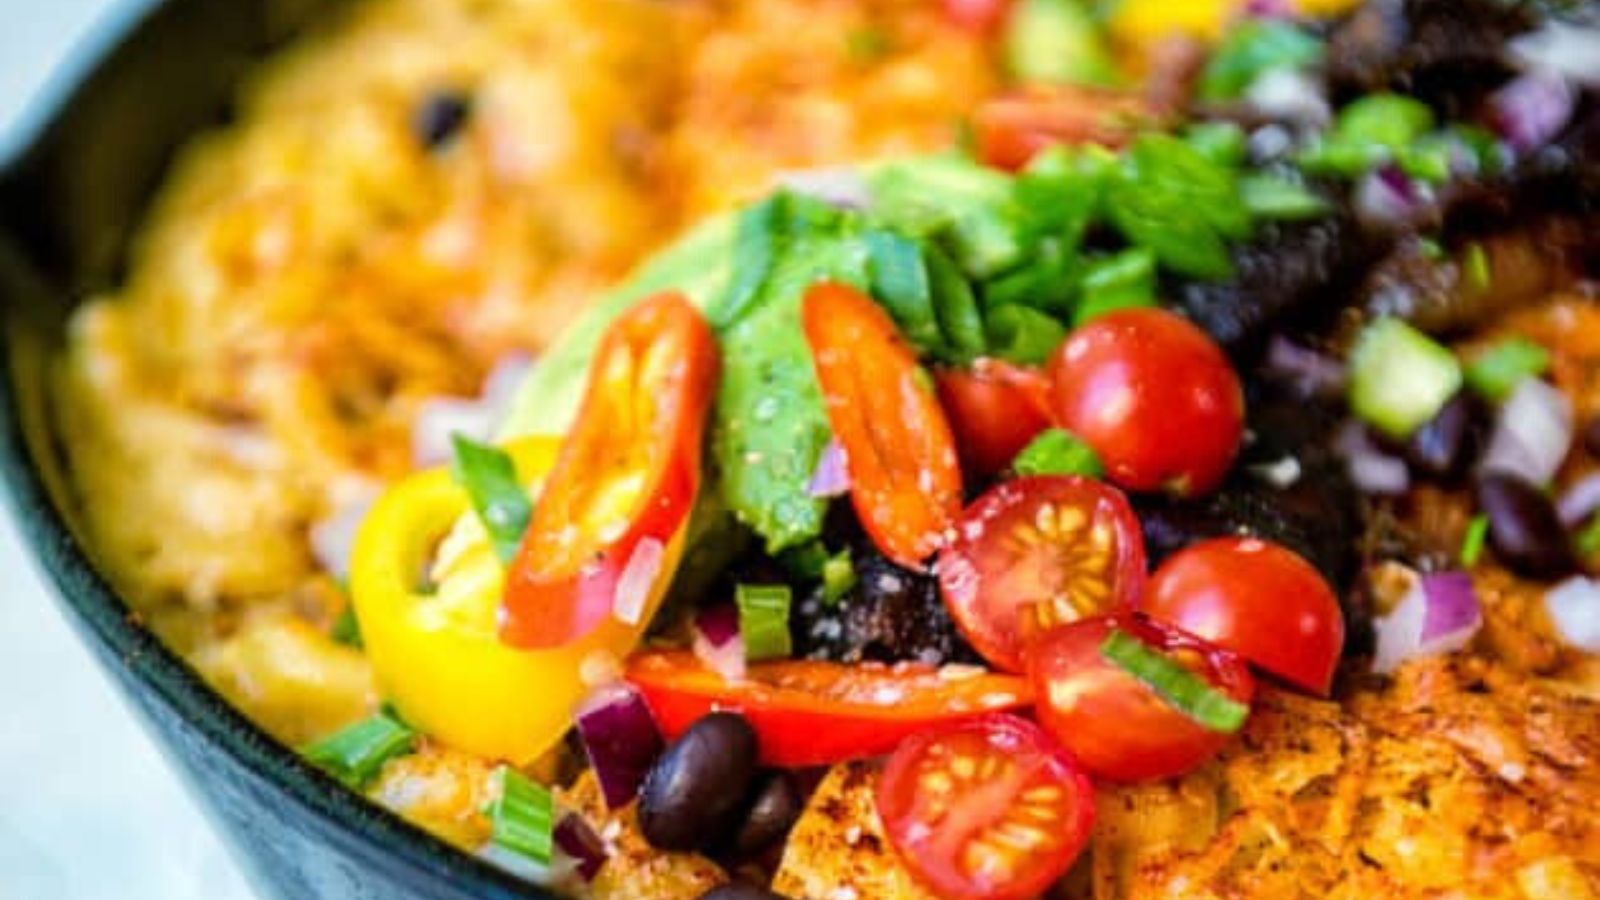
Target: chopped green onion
{"x":755,"y":255}
{"x":1472,"y":541}
{"x":1400,"y":378}
{"x":1057,"y":452}
{"x":1431,"y":249}
{"x":1224,"y":143}
{"x":1588,"y":540}
{"x":523,"y":815}
{"x":1251,"y":49}
{"x":501,"y":501}
{"x":838,"y":577}
{"x":355,"y":754}
{"x":346,"y":630}
{"x":1057,"y":42}
{"x":1270,"y":197}
{"x":901,"y":285}
{"x":1023,"y":335}
{"x":1476,"y":266}
{"x":1495,"y":372}
{"x":955,"y":306}
{"x":1390,"y":121}
{"x":1125,"y":280}
{"x":764,"y":620}
{"x":1335,"y":156}
{"x":805,"y":562}
{"x":1187,"y":692}
{"x":1430,"y":158}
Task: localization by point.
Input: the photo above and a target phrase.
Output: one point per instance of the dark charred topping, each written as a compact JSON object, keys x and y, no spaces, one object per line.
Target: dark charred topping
{"x":892,"y":614}
{"x":439,"y":117}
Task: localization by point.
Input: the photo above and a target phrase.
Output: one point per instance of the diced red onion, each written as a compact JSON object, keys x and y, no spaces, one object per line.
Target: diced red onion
{"x":638,"y":576}
{"x":333,"y":539}
{"x":832,"y":477}
{"x":1289,"y":95}
{"x":438,"y":420}
{"x":1371,"y":470}
{"x":1269,"y":9}
{"x":841,"y":186}
{"x":1580,"y":500}
{"x":1439,"y":614}
{"x":621,"y":740}
{"x":717,"y":641}
{"x":1532,"y":109}
{"x":1567,"y":49}
{"x":1387,"y":196}
{"x":575,"y":840}
{"x":1532,"y":433}
{"x":1574,"y":610}
{"x":501,"y":386}
{"x":1312,"y":372}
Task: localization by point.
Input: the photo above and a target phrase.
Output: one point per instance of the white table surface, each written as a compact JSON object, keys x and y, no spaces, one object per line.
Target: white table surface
{"x":90,"y":810}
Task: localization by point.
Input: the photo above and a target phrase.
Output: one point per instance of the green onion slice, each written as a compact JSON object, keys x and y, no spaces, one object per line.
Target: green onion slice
{"x":1472,"y":542}
{"x":346,"y":629}
{"x":1123,"y":281}
{"x":1023,"y":335}
{"x":1187,"y":692}
{"x":355,"y":754}
{"x":1057,"y":452}
{"x":764,"y":620}
{"x":1400,"y":378}
{"x":501,"y":501}
{"x":838,"y":577}
{"x":1495,"y":372}
{"x":1269,"y":197}
{"x":523,"y":814}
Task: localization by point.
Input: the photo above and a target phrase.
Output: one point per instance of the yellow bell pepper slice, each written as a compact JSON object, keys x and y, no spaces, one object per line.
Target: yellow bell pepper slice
{"x":437,"y":654}
{"x":1145,"y":21}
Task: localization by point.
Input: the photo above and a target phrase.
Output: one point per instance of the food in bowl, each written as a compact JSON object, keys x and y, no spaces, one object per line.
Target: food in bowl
{"x":894,"y":448}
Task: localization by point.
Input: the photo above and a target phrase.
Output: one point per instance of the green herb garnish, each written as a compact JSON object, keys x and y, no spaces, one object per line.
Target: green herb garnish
{"x":501,"y":501}
{"x":764,"y":620}
{"x":346,"y":629}
{"x":1472,"y":542}
{"x":1271,"y":197}
{"x":523,"y":816}
{"x":1058,"y":452}
{"x":1251,"y":49}
{"x":1187,"y":692}
{"x":1495,"y":372}
{"x":1023,"y":335}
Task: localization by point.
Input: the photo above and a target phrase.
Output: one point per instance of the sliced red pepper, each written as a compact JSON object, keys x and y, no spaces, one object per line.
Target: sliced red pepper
{"x":905,"y":478}
{"x":814,"y":713}
{"x":624,"y":483}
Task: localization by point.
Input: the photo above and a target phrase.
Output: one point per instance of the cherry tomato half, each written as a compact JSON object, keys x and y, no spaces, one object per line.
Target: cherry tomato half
{"x":624,"y":482}
{"x":1258,"y":599}
{"x":995,"y":409}
{"x":1154,"y":396}
{"x":905,"y":479}
{"x":814,"y":713}
{"x":1011,"y":129}
{"x":990,"y":808}
{"x":1034,"y":553}
{"x":1115,"y":724}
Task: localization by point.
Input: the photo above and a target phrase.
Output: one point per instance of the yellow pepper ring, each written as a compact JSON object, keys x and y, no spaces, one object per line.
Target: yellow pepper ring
{"x":437,"y":654}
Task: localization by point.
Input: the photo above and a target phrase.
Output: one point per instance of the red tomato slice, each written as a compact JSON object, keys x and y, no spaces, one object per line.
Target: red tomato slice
{"x":1013,"y":128}
{"x":995,"y":409}
{"x":1117,"y":726}
{"x":1035,"y":553}
{"x":1154,"y":396}
{"x":813,"y":713}
{"x":1258,"y":599}
{"x":978,"y":16}
{"x":625,"y":479}
{"x":989,"y":809}
{"x":905,"y":479}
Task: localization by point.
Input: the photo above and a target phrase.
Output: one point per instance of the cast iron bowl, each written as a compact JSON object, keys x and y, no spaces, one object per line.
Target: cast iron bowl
{"x":68,"y":204}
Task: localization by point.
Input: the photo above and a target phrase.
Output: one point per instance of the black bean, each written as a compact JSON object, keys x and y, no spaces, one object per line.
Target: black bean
{"x":1524,"y":528}
{"x":692,"y":799}
{"x":738,"y":890}
{"x":1591,"y":436}
{"x":437,"y":119}
{"x":1445,"y":446}
{"x":772,"y":813}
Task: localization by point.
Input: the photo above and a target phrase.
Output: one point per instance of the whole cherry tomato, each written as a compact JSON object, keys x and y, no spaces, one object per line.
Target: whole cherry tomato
{"x":1116,"y":723}
{"x":995,"y":409}
{"x":990,"y":809}
{"x":1258,"y":599}
{"x":1034,"y":553}
{"x":1154,"y":396}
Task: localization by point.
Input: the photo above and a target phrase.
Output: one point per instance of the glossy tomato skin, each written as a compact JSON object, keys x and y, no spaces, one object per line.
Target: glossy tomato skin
{"x":1154,"y":396}
{"x":1115,"y":725}
{"x":905,"y":477}
{"x":1013,"y":128}
{"x":945,"y":792}
{"x":814,"y":713}
{"x":995,"y":408}
{"x":1038,"y":552}
{"x":1258,"y":599}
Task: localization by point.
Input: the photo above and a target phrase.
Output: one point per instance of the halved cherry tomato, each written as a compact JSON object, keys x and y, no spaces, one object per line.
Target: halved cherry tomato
{"x":626,"y":479}
{"x":813,"y":713}
{"x":1115,"y":724}
{"x":995,"y":409}
{"x":1154,"y":396}
{"x":978,"y":16}
{"x":1262,"y":601}
{"x":1034,"y":553}
{"x":1011,"y":129}
{"x":905,"y":479}
{"x":991,"y":809}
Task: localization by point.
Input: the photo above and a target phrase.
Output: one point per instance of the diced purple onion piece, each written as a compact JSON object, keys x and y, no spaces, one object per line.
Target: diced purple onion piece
{"x":1532,"y":109}
{"x":1313,"y":372}
{"x":637,"y":578}
{"x":575,"y":839}
{"x":1568,"y":49}
{"x":1387,"y":196}
{"x":1532,"y":433}
{"x":1370,"y":469}
{"x":719,"y":623}
{"x":1452,"y":608}
{"x":843,"y":187}
{"x":718,"y":643}
{"x":1574,"y":610}
{"x":832,"y":477}
{"x":333,"y":539}
{"x":1289,"y":95}
{"x":438,"y":420}
{"x":621,"y":739}
{"x":1269,"y":9}
{"x":1580,"y":501}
